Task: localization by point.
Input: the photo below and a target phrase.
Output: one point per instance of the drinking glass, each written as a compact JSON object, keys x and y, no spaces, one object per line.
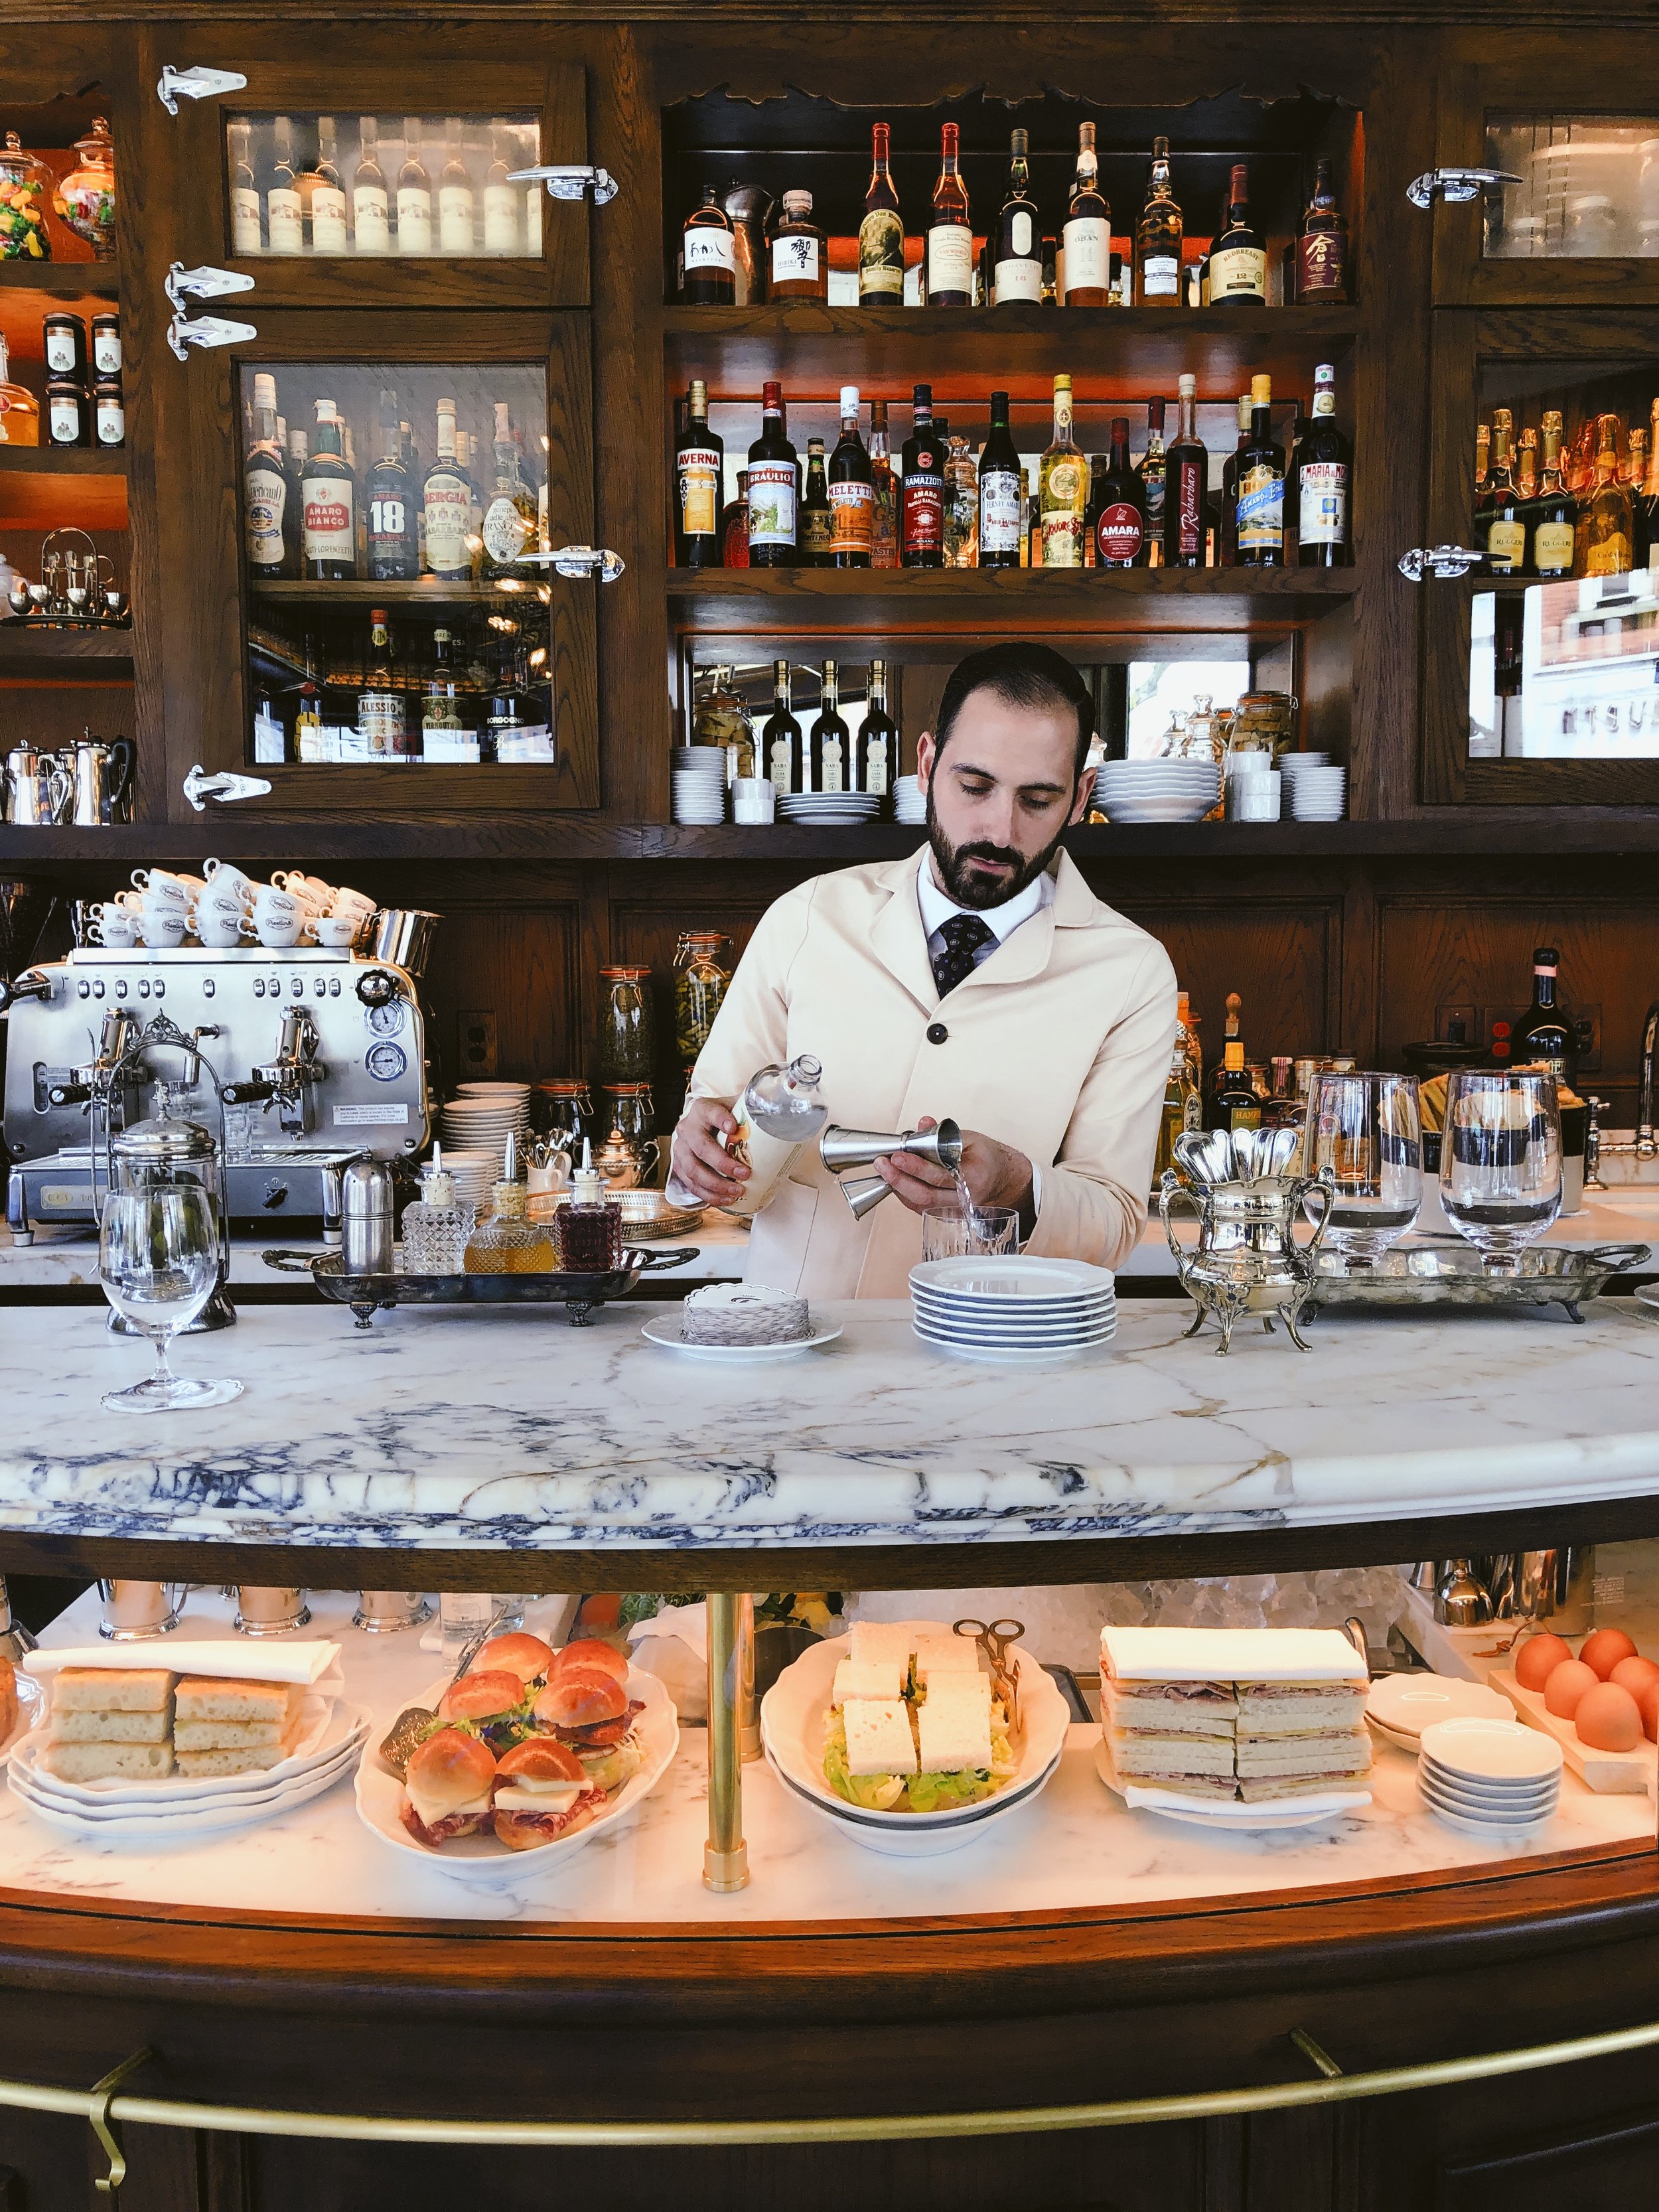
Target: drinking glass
{"x":1365,"y":1128}
{"x":158,"y":1258}
{"x":1500,"y":1161}
{"x":967,"y":1231}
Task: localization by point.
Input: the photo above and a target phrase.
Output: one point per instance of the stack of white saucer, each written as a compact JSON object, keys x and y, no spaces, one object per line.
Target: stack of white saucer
{"x":822,"y":809}
{"x":476,"y":1124}
{"x":909,"y":802}
{"x":1013,"y":1311}
{"x":1157,"y":790}
{"x":1317,"y":791}
{"x":699,"y":784}
{"x":1483,"y":1775}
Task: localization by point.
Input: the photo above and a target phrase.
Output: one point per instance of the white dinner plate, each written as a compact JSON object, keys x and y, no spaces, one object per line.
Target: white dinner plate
{"x":1156,"y":809}
{"x":485,"y":1861}
{"x":338,"y":1729}
{"x":997,"y":1356}
{"x":1015,"y":1340}
{"x":1477,"y":1749}
{"x":181,"y":1819}
{"x":1231,"y":1813}
{"x":1491,"y":1829}
{"x":665,"y":1329}
{"x":1020,"y":1277}
{"x":1402,"y":1705}
{"x":973,"y":1313}
{"x":1498,"y":1813}
{"x":138,"y":1828}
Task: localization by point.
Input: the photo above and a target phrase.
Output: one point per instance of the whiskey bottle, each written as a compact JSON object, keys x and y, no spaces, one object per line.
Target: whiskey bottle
{"x":501,"y":196}
{"x":1543,"y":1037}
{"x":324,"y":195}
{"x":1087,"y":239}
{"x":1324,"y":474}
{"x":921,"y":489}
{"x":801,"y":256}
{"x":1235,"y":1102}
{"x":1063,"y":488}
{"x":371,"y":222}
{"x":1262,"y":486}
{"x":329,"y":504}
{"x":851,"y":491}
{"x":817,"y":523}
{"x":1227,"y":539}
{"x":285,"y":214}
{"x":446,"y":503}
{"x":443,"y":733}
{"x":782,"y":755}
{"x":774,"y":488}
{"x":881,"y":233}
{"x":1554,"y":515}
{"x":876,"y":748}
{"x":1610,"y":513}
{"x":393,"y":546}
{"x":266,"y":485}
{"x":1002,"y":499}
{"x":699,"y":473}
{"x":1120,"y":520}
{"x":1186,"y":486}
{"x":1498,"y":527}
{"x":414,"y":194}
{"x":830,"y":743}
{"x":1322,"y":245}
{"x":1157,"y":238}
{"x":456,"y":199}
{"x":1238,"y":258}
{"x":1017,"y":270}
{"x":884,"y":544}
{"x":245,"y":235}
{"x":708,"y":255}
{"x":509,"y":517}
{"x":1152,"y":470}
{"x":950,"y":270}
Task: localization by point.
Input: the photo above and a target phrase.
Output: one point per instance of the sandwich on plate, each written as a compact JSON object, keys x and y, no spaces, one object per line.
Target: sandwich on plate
{"x":448,"y":1788}
{"x":913,"y":1726}
{"x":586,"y":1707}
{"x":492,"y":1705}
{"x":543,"y":1791}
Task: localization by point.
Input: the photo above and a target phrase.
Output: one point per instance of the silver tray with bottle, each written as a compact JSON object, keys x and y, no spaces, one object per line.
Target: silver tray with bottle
{"x":578,"y":1294}
{"x":1444,"y":1271}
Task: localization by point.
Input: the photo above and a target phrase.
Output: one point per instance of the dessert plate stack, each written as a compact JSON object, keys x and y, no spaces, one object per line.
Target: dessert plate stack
{"x":1157,"y":790}
{"x":908,"y":803}
{"x":698,"y":778}
{"x":825,"y":809}
{"x":1401,"y":1707}
{"x":1485,"y":1777}
{"x":478,"y":1121}
{"x":1014,"y":1312}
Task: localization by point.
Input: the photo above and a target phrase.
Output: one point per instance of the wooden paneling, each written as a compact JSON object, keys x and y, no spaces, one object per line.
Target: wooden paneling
{"x":1283,"y":955}
{"x":519,"y":965}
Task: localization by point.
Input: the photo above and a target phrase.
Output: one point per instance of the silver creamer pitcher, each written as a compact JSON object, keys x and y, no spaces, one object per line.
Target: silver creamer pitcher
{"x":1248,"y":1259}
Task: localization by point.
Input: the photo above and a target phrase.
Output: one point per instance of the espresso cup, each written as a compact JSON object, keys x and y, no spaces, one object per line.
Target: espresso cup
{"x":220,"y":902}
{"x":156,"y":887}
{"x":225,"y":881}
{"x":161,"y":925}
{"x":312,"y":895}
{"x":117,"y":932}
{"x":335,"y":933}
{"x":218,"y":925}
{"x":351,"y":906}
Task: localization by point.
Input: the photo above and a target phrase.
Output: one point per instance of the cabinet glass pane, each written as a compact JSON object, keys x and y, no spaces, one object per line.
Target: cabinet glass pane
{"x":1589,"y":186}
{"x":1566,"y":671}
{"x":383,"y":184}
{"x":390,"y":619}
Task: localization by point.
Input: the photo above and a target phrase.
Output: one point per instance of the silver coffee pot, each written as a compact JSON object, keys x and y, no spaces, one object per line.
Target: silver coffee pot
{"x":101,"y":772}
{"x":37,"y":787}
{"x":1248,"y":1259}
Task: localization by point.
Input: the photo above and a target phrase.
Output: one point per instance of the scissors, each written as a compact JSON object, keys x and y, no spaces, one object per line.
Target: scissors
{"x":996,"y":1638}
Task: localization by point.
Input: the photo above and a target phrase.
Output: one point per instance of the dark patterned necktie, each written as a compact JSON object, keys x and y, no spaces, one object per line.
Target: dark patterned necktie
{"x":963,"y":935}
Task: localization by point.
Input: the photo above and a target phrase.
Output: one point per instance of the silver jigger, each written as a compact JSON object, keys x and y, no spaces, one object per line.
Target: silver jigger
{"x":841,"y":1148}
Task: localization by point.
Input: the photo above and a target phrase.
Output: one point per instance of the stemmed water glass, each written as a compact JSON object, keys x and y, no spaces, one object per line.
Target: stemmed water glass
{"x":158,"y":1259}
{"x":1365,"y":1129}
{"x":1500,"y":1161}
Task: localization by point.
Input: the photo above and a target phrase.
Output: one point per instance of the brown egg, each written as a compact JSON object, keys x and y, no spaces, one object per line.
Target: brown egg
{"x":1567,"y":1684}
{"x":1608,"y":1718}
{"x":1634,"y":1675}
{"x":1647,"y":1703}
{"x":1602,"y":1649}
{"x":1537,"y":1659}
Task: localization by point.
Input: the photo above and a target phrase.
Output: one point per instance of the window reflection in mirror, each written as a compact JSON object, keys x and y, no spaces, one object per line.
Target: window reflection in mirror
{"x":1566,"y":670}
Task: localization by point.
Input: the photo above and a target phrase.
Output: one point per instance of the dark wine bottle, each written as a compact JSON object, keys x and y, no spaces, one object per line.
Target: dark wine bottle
{"x":774,"y":488}
{"x":1185,"y":487}
{"x":817,"y":523}
{"x":1238,"y":258}
{"x":782,"y":756}
{"x":876,"y":749}
{"x":1119,"y":518}
{"x":1001,"y":503}
{"x":830,"y":746}
{"x":921,"y":493}
{"x":1543,"y":1037}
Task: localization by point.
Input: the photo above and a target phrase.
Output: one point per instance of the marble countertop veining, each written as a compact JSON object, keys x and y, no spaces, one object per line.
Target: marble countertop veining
{"x":510,"y":1428}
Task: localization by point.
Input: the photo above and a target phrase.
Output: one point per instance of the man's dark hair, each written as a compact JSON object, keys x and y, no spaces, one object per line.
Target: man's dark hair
{"x":1022,"y":675}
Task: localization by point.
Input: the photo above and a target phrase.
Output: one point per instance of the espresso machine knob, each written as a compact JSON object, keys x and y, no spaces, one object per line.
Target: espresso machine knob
{"x":376,"y":988}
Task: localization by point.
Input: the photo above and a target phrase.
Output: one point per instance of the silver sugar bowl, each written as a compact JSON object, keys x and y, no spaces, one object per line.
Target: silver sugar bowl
{"x":1248,"y":1259}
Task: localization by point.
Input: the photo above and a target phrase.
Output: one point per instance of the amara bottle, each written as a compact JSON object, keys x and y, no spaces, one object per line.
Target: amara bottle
{"x":1001,"y":503}
{"x":1120,"y":520}
{"x":951,"y":232}
{"x":1324,"y":471}
{"x":1087,"y":240}
{"x":881,"y":233}
{"x":852,"y":491}
{"x":699,"y":465}
{"x":774,"y":488}
{"x":922,"y":492}
{"x":1017,"y":270}
{"x":1186,"y":481}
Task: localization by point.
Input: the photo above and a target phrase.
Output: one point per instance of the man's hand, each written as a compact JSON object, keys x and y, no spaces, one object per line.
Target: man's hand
{"x":996,"y":1175}
{"x":698,"y":1158}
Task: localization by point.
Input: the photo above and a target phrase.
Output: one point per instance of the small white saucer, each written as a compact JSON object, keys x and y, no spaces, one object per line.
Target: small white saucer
{"x":665,"y":1329}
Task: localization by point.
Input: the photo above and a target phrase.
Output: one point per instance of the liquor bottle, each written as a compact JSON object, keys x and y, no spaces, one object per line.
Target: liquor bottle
{"x":876,"y":748}
{"x":782,"y":755}
{"x":951,"y":233}
{"x":1262,"y":486}
{"x":816,"y":523}
{"x":329,"y":501}
{"x":446,"y":503}
{"x":851,"y":491}
{"x":1234,"y":1103}
{"x":884,"y":544}
{"x":371,"y":222}
{"x":1183,"y":1110}
{"x":393,"y":551}
{"x":1157,"y":238}
{"x":1554,"y":515}
{"x":830,"y":744}
{"x":1322,"y":244}
{"x":509,"y":517}
{"x":881,"y":233}
{"x":708,"y":251}
{"x":1016,"y":268}
{"x":1063,"y":488}
{"x":456,"y":199}
{"x":293,"y":508}
{"x":1636,"y":482}
{"x":414,"y":194}
{"x":921,"y":490}
{"x":734,"y":527}
{"x":699,"y":473}
{"x":285,"y":214}
{"x":774,"y":488}
{"x":324,"y":195}
{"x":1227,"y":543}
{"x":1579,"y":474}
{"x":1087,"y":239}
{"x":800,"y":256}
{"x":1152,"y":471}
{"x":267,"y":484}
{"x":1186,"y":484}
{"x":246,"y":236}
{"x":1647,"y":517}
{"x":1324,"y":475}
{"x":1526,"y":486}
{"x":1119,"y":517}
{"x":1238,"y":257}
{"x":1609,"y":515}
{"x":1499,"y":528}
{"x":443,"y":732}
{"x":501,"y":196}
{"x":1543,"y":1037}
{"x":1001,"y":499}
{"x":1482,"y":459}
{"x":382,"y":708}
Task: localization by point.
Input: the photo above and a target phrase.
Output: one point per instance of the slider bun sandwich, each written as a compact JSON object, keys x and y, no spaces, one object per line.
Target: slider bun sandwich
{"x":485,"y":1696}
{"x":543,"y":1791}
{"x":448,"y":1788}
{"x":591,"y":1652}
{"x":526,"y":1656}
{"x":592,"y":1714}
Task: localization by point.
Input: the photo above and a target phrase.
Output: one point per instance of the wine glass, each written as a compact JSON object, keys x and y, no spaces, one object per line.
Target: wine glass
{"x":1500,"y":1161}
{"x":158,"y":1259}
{"x":1365,"y":1128}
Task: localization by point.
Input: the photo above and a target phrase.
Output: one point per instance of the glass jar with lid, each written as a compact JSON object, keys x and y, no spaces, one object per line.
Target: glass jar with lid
{"x":85,"y":199}
{"x":24,"y":188}
{"x":629,"y":1157}
{"x":561,"y":1110}
{"x":627,"y":1027}
{"x":701,"y":984}
{"x":719,"y":717}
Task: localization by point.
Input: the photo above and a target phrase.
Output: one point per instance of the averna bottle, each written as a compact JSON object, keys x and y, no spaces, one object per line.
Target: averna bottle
{"x":699,"y":467}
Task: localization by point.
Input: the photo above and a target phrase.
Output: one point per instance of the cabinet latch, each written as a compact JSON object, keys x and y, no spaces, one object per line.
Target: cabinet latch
{"x":181,"y":284}
{"x":1455,"y":185}
{"x":1440,"y":560}
{"x":199,"y":83}
{"x":580,"y":561}
{"x":571,"y":182}
{"x":200,"y":787}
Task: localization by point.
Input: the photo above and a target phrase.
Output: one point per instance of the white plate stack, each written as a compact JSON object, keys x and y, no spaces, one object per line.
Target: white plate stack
{"x":698,"y":775}
{"x":1157,"y":790}
{"x":1485,"y":1776}
{"x":826,"y":810}
{"x":1317,"y":791}
{"x":1013,"y":1311}
{"x":478,"y":1122}
{"x":910,"y":803}
{"x":1401,"y":1707}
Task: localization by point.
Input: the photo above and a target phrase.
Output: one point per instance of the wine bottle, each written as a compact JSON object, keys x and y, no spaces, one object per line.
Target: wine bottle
{"x":881,"y":233}
{"x":1238,"y":258}
{"x":782,"y":756}
{"x":1001,"y":501}
{"x":1543,"y":1037}
{"x":1087,"y":240}
{"x":1017,"y":271}
{"x":876,"y":748}
{"x":774,"y":488}
{"x":830,"y":744}
{"x":950,"y":234}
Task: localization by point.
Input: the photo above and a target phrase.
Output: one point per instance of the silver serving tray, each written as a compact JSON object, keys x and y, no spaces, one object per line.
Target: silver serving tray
{"x":1444,"y":1271}
{"x":578,"y":1294}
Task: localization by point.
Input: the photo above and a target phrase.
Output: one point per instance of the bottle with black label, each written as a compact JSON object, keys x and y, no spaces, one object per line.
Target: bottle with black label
{"x":922,"y":492}
{"x":1554,"y":512}
{"x":1120,"y":519}
{"x":1001,"y":501}
{"x":63,"y":341}
{"x":774,"y":488}
{"x":817,"y":522}
{"x":831,"y":742}
{"x":699,"y":468}
{"x":69,"y":412}
{"x":876,"y":749}
{"x":1543,"y":1037}
{"x":1017,"y":271}
{"x":1238,"y":258}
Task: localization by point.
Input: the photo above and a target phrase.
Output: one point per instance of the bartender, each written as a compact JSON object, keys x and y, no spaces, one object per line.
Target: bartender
{"x":981,"y":980}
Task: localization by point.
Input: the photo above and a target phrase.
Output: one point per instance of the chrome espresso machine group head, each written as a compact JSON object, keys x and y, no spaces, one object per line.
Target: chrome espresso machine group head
{"x":323,"y":1051}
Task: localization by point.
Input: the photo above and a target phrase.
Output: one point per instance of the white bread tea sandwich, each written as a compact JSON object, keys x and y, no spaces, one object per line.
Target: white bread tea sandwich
{"x":224,"y":1726}
{"x":110,"y":1722}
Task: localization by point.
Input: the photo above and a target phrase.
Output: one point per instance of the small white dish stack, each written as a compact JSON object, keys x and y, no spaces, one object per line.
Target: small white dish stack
{"x":1484,"y":1776}
{"x":1401,"y":1707}
{"x":1012,"y":1311}
{"x":698,"y":776}
{"x":1317,"y":791}
{"x":476,"y":1124}
{"x":1157,"y":790}
{"x":819,"y":809}
{"x":909,"y":804}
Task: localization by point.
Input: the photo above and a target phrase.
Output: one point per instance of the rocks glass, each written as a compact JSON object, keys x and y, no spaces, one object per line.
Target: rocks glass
{"x":1365,"y":1129}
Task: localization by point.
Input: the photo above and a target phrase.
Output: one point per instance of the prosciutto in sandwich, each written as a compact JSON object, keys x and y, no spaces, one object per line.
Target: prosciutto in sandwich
{"x":543,"y":1791}
{"x":585,"y":1707}
{"x":448,"y":1788}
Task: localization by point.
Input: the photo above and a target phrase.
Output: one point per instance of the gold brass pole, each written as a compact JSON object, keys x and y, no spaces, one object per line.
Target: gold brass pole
{"x":731,"y":1651}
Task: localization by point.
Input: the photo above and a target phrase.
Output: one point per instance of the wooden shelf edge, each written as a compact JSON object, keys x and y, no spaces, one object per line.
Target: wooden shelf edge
{"x":990,"y":584}
{"x":69,"y":279}
{"x":818,"y":319}
{"x":64,"y":460}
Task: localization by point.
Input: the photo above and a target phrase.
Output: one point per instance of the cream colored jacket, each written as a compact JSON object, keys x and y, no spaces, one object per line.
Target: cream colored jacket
{"x":1059,"y":1043}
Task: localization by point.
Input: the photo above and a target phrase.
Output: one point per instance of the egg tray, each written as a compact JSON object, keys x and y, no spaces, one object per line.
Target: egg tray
{"x":367,"y":1295}
{"x":1444,"y":1271}
{"x":1621,"y":1773}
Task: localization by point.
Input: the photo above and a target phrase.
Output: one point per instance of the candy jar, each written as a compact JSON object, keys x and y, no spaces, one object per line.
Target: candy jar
{"x":85,"y":199}
{"x":24,"y":185}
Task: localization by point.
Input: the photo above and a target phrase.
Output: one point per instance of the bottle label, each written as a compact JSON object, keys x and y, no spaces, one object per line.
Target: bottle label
{"x":1118,"y":532}
{"x":1260,"y":509}
{"x":878,"y":773}
{"x":1323,"y":515}
{"x":374,"y":225}
{"x":1160,"y":276}
{"x":795,"y":258}
{"x":1061,"y":510}
{"x":949,"y":259}
{"x":414,"y":220}
{"x":1553,"y":549}
{"x":1610,"y":558}
{"x":771,"y":488}
{"x":816,"y":529}
{"x":501,"y":219}
{"x":1001,"y":511}
{"x":832,"y":766}
{"x":699,"y":472}
{"x":60,"y":353}
{"x":1020,"y":234}
{"x":244,"y":221}
{"x":1506,"y":545}
{"x":64,"y":418}
{"x":388,"y":525}
{"x":1088,"y":254}
{"x":923,"y":511}
{"x":1019,"y":280}
{"x":1188,"y":516}
{"x":1063,"y":540}
{"x":107,"y":351}
{"x":328,"y":525}
{"x":328,"y":220}
{"x":505,"y":531}
{"x":852,"y":517}
{"x":779,"y":764}
{"x":708,"y":248}
{"x":881,"y":255}
{"x":455,"y":218}
{"x":448,"y":511}
{"x":1238,"y":272}
{"x":282,"y":213}
{"x":1152,"y":490}
{"x":112,"y":419}
{"x":267,"y":496}
{"x":1321,"y":265}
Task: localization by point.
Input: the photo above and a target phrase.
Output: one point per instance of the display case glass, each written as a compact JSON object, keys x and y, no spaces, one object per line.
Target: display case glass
{"x":1589,"y":189}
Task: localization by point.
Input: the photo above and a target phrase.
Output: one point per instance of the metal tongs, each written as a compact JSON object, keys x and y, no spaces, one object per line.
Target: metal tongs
{"x":995,"y":1639}
{"x":413,"y":1725}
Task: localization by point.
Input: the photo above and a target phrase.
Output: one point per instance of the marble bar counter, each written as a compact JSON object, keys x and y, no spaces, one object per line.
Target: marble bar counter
{"x":509,"y":1430}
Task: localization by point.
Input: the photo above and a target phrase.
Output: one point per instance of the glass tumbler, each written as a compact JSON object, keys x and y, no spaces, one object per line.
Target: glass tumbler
{"x":1500,"y":1160}
{"x":1365,"y":1128}
{"x":970,"y":1231}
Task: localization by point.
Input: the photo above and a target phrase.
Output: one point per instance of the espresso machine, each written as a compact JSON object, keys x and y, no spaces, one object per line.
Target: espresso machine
{"x":322,"y":1053}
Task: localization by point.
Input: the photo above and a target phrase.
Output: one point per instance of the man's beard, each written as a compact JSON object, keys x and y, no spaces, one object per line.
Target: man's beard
{"x":979,"y":892}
